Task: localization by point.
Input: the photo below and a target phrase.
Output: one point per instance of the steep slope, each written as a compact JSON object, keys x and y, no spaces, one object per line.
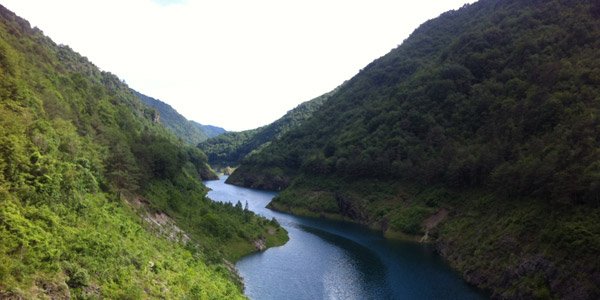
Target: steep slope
{"x":209,"y":130}
{"x":97,"y":200}
{"x":230,"y":148}
{"x":479,"y":132}
{"x":174,"y":122}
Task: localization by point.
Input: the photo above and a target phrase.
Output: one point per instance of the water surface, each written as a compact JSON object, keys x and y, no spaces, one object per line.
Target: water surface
{"x":327,"y":259}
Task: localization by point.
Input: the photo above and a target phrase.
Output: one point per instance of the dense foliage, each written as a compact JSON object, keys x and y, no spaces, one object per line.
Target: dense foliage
{"x":490,"y":112}
{"x":174,"y":121}
{"x":229,"y":149}
{"x":94,"y":193}
{"x":224,"y":149}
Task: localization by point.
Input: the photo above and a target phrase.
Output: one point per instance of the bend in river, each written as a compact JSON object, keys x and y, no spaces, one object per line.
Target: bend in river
{"x":327,"y":259}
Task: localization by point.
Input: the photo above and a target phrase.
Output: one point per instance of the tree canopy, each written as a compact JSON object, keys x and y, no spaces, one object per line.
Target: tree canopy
{"x":97,"y":199}
{"x":490,"y":111}
{"x":229,"y":149}
{"x":174,"y":121}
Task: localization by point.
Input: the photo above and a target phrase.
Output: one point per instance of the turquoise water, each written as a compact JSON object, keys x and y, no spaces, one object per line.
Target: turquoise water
{"x":327,"y":259}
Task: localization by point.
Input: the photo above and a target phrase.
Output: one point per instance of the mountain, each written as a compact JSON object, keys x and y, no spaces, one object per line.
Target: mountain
{"x":97,"y":199}
{"x":175,"y":122}
{"x":191,"y":132}
{"x":209,"y":130}
{"x":230,"y":148}
{"x":479,"y":133}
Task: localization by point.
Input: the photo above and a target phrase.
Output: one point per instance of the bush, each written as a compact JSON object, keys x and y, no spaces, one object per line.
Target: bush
{"x":409,"y":220}
{"x":77,"y":276}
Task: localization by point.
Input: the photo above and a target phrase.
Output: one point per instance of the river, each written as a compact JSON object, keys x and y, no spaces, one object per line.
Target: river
{"x":333,"y":260}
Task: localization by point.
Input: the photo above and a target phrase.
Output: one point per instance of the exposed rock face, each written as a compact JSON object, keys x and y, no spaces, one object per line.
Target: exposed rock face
{"x":166,"y":226}
{"x":260,"y":244}
{"x":353,"y":208}
{"x":227,"y":171}
{"x":431,"y":222}
{"x":56,"y":290}
{"x":435,"y":219}
{"x":151,"y":113}
{"x":161,"y":222}
{"x":234,"y":273}
{"x":92,"y":291}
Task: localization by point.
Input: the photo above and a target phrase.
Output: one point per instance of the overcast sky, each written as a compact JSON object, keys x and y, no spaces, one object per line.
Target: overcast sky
{"x":236,"y":64}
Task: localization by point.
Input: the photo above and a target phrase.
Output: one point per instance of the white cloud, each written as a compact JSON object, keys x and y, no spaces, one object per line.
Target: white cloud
{"x":232,"y":63}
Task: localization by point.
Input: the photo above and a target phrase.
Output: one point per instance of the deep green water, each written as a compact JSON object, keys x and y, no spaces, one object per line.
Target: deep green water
{"x":337,"y":260}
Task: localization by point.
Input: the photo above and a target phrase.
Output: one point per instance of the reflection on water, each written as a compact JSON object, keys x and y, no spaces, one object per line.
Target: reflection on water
{"x":337,"y":260}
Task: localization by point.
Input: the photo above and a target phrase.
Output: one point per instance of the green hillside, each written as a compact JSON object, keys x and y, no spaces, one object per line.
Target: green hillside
{"x":480,"y":133}
{"x":230,"y":148}
{"x":174,"y":122}
{"x":209,"y":130}
{"x":97,"y":199}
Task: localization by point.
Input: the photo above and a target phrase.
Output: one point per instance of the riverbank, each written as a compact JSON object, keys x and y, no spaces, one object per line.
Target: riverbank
{"x":389,"y":234}
{"x":273,"y":237}
{"x":515,"y":249}
{"x":327,"y":259}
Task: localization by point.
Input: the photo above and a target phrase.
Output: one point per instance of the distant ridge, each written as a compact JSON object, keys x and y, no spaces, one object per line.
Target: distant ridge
{"x":174,"y":121}
{"x":231,"y":148}
{"x":209,"y":130}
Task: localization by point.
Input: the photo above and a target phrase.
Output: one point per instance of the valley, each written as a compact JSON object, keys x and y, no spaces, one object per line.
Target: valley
{"x":463,"y":164}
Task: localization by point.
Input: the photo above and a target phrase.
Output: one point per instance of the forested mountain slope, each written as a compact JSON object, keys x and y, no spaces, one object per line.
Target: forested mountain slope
{"x":174,"y":121}
{"x":230,"y":148}
{"x":97,"y":200}
{"x":486,"y":118}
{"x":209,"y":130}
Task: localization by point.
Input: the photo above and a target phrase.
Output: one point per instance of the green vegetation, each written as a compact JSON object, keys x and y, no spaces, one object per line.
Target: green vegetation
{"x":97,"y":199}
{"x":224,"y":149}
{"x":230,"y":148}
{"x":173,"y":121}
{"x":209,"y":130}
{"x":490,"y":113}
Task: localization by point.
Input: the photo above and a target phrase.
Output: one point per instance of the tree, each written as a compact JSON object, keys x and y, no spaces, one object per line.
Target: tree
{"x":122,"y":172}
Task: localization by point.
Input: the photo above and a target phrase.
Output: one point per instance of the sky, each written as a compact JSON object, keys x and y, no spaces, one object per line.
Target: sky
{"x":236,"y":64}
